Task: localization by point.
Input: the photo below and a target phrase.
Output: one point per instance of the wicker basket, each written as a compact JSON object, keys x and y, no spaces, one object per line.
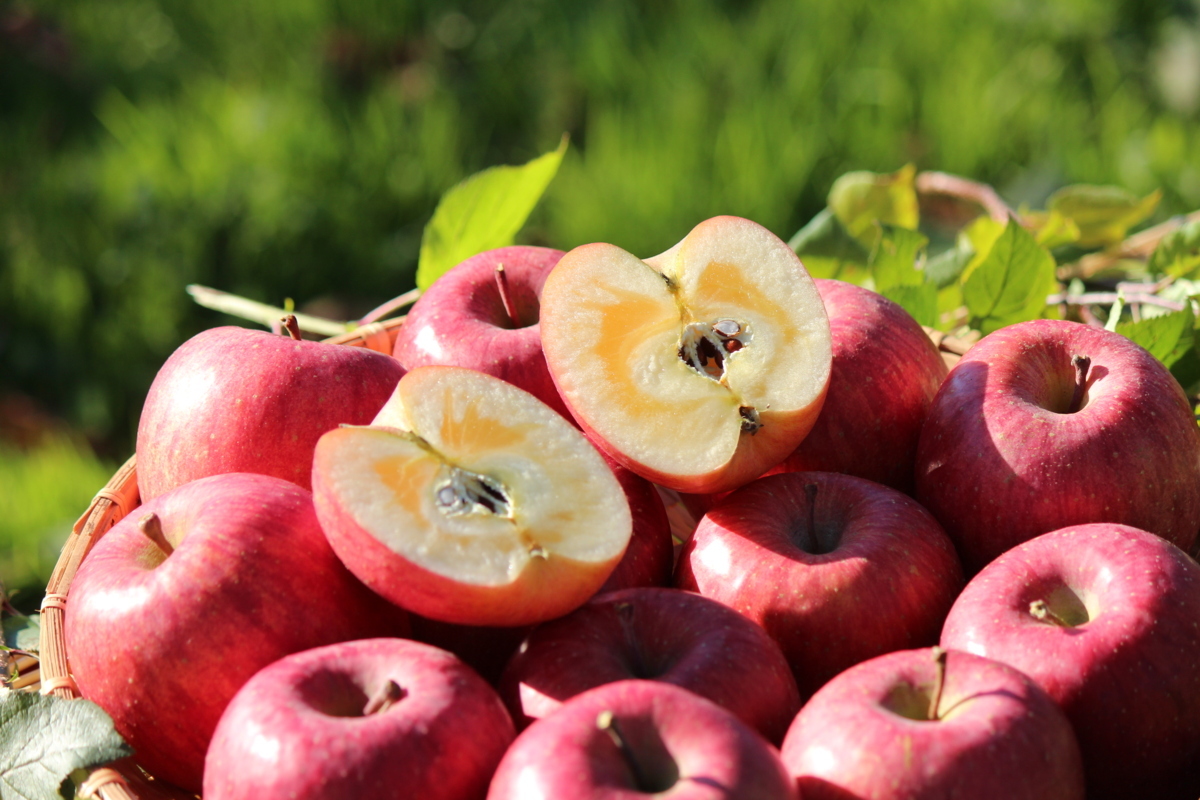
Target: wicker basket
{"x":125,"y":780}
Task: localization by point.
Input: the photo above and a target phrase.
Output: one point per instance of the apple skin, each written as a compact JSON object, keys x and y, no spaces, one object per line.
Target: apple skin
{"x":460,"y":321}
{"x":999,"y":736}
{"x":997,"y":466}
{"x":883,"y":579}
{"x":661,"y":634}
{"x":885,"y":374}
{"x":296,"y":729}
{"x":669,"y":731}
{"x":1129,"y":677}
{"x":162,"y":647}
{"x":236,"y":400}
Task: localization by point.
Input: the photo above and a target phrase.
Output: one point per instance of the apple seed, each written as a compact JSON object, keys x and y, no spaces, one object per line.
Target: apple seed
{"x":460,"y":492}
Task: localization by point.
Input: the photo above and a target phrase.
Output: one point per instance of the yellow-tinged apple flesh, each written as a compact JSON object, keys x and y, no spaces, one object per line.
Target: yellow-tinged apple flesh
{"x":699,"y":368}
{"x":470,"y":501}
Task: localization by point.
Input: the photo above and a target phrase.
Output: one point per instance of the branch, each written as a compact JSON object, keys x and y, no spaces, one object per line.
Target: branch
{"x":960,"y":188}
{"x":262,"y":313}
{"x":1140,"y":245}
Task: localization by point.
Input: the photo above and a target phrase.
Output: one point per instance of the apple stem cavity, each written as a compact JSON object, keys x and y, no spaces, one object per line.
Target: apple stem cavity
{"x":625,"y":612}
{"x":388,"y":695}
{"x":1081,"y":364}
{"x":939,"y":659}
{"x":292,"y":326}
{"x":151,"y":527}
{"x":1042,"y":612}
{"x":606,"y":722}
{"x":505,"y":298}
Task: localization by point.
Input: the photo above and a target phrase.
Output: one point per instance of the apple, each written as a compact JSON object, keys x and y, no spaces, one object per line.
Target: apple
{"x":236,"y":400}
{"x":885,"y":374}
{"x":190,"y":595}
{"x":372,"y":718}
{"x":837,"y":569}
{"x":640,"y":739}
{"x":483,"y":314}
{"x":919,"y":723}
{"x":1104,"y":617}
{"x":661,"y":634}
{"x":698,"y":369}
{"x":1050,"y":423}
{"x":470,"y":501}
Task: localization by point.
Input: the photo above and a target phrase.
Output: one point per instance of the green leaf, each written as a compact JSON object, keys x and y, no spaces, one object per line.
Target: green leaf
{"x":1103,"y":213}
{"x":23,"y":632}
{"x":1011,"y":283}
{"x":1168,"y":337}
{"x":1051,"y":229}
{"x":1178,"y":253}
{"x":946,"y":267}
{"x":895,"y":261}
{"x":482,"y":213}
{"x":44,"y":739}
{"x":825,"y":237}
{"x":859,"y":199}
{"x":920,"y":301}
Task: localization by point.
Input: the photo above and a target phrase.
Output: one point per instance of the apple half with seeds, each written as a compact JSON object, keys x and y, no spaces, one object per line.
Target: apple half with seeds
{"x":468,"y":500}
{"x":699,"y":368}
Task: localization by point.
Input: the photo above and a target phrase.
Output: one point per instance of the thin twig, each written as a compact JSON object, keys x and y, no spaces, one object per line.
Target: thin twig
{"x":1108,"y":298}
{"x":263,"y":314}
{"x":391,"y":306}
{"x":1138,"y":246}
{"x":956,"y":186}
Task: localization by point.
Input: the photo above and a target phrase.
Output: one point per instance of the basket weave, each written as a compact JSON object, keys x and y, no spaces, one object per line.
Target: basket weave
{"x":124,"y":780}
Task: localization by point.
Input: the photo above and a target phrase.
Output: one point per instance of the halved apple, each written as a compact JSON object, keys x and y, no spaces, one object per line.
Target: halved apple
{"x":699,"y":368}
{"x":468,"y":500}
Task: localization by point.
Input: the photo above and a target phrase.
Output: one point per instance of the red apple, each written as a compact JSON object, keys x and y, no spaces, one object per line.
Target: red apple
{"x":1105,"y":618}
{"x":640,"y":739}
{"x":483,"y":314}
{"x":471,"y":501}
{"x":837,"y":569}
{"x":372,"y":718}
{"x":661,"y":634}
{"x":885,"y":374}
{"x":698,"y":369}
{"x":916,"y":724}
{"x":236,"y":400}
{"x":1050,"y":423}
{"x":186,"y":598}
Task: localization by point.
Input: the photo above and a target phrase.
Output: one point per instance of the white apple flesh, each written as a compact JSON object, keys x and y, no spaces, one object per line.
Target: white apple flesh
{"x":470,"y":501}
{"x":700,"y":368}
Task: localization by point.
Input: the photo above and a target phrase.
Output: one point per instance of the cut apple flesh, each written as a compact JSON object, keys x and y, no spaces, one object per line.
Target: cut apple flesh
{"x":470,"y":501}
{"x":699,"y":368}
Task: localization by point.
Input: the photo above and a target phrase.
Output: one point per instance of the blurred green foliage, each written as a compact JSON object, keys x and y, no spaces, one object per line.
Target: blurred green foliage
{"x":296,"y":148}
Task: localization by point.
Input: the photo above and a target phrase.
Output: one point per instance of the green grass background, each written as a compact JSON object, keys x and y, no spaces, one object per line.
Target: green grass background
{"x":295,"y":149}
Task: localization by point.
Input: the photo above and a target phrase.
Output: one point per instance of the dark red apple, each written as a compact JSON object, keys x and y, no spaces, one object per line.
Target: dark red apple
{"x":661,"y":634}
{"x":190,"y":595}
{"x":481,"y":317}
{"x":885,"y":374}
{"x":918,"y":724}
{"x":1106,"y":619}
{"x":236,"y":400}
{"x":372,"y":718}
{"x":640,"y":739}
{"x":837,"y":569}
{"x":1051,"y":423}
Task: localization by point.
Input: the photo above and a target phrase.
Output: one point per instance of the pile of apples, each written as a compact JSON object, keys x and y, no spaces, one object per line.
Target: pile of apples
{"x":450,"y":573}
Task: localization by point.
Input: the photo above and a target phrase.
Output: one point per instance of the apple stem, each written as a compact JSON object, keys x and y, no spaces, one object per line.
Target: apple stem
{"x":606,"y":722}
{"x":505,"y":298}
{"x":939,"y":658}
{"x":1081,"y":364}
{"x":292,"y":326}
{"x":387,"y":696}
{"x":1040,"y":611}
{"x":151,"y":527}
